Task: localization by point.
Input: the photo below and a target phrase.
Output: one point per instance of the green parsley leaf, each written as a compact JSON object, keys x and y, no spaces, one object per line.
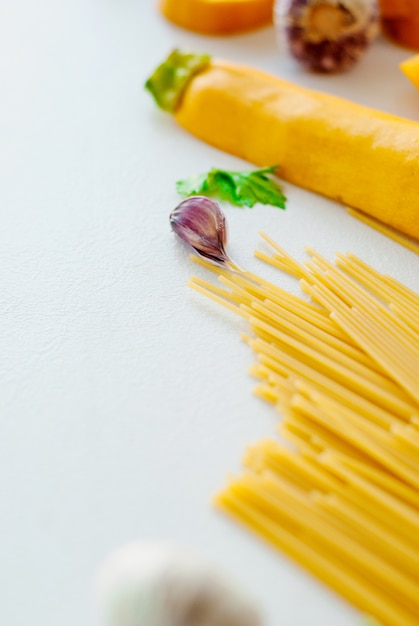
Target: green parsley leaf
{"x":193,"y":186}
{"x":239,"y":188}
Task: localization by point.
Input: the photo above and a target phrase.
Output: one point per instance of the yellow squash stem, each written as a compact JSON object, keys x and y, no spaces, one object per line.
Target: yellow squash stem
{"x":217,"y":17}
{"x":356,"y":155}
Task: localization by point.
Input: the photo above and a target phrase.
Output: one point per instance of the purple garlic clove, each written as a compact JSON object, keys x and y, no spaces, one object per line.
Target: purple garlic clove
{"x":200,"y":222}
{"x":328,"y":35}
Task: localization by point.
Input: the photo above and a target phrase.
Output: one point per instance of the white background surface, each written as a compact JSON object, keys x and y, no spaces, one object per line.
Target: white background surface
{"x":125,"y":398}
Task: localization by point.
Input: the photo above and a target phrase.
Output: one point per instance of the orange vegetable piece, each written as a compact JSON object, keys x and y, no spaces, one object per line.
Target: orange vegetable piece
{"x":404,"y":31}
{"x":396,"y":8}
{"x":217,"y":17}
{"x":400,"y":21}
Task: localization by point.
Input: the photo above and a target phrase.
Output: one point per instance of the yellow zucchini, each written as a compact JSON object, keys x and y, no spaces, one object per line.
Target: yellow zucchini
{"x":356,"y":155}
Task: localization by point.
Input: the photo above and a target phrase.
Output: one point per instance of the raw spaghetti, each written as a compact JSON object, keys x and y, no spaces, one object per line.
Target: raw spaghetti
{"x":341,"y":496}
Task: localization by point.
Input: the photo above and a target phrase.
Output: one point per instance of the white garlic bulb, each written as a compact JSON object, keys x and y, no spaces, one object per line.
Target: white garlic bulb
{"x":154,"y":584}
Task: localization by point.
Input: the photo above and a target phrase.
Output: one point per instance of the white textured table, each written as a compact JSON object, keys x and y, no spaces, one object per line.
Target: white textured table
{"x":125,"y":398}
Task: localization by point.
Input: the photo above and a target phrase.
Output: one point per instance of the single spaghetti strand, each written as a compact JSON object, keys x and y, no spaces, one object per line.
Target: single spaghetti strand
{"x":385,"y":230}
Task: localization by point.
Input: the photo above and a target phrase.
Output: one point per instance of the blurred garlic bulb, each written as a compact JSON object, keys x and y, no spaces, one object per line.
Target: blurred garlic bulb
{"x":327,"y":35}
{"x":154,"y":584}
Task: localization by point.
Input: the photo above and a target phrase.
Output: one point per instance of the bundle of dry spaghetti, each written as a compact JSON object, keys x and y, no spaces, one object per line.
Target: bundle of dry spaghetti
{"x":340,"y":495}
